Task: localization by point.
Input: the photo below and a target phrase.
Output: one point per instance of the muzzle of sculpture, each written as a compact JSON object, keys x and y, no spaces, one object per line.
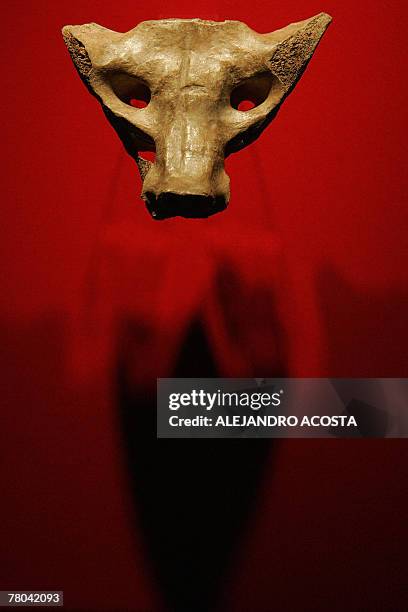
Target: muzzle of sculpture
{"x":192,"y":92}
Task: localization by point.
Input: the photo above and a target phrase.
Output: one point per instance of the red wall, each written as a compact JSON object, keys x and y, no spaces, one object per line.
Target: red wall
{"x":329,"y":177}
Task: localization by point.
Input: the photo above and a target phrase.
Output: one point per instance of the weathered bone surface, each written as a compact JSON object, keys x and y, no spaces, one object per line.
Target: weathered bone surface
{"x":192,"y":77}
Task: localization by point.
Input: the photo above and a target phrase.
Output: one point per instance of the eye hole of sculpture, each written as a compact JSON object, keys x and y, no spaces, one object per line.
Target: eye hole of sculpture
{"x":131,"y":90}
{"x":252,"y":92}
{"x":246,"y":105}
{"x":138,"y":103}
{"x":148,"y":155}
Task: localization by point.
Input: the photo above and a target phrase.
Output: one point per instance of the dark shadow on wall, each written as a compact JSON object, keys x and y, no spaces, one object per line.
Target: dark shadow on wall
{"x":193,"y":498}
{"x":366,"y":328}
{"x":251,"y":322}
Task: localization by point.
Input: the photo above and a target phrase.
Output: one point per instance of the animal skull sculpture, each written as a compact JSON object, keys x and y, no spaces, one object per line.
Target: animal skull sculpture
{"x":192,"y":77}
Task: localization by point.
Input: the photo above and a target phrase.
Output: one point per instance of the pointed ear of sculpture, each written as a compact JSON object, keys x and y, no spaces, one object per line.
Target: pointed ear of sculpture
{"x":86,"y":44}
{"x":294,"y":46}
{"x":93,"y":47}
{"x":78,"y":40}
{"x":289,"y":51}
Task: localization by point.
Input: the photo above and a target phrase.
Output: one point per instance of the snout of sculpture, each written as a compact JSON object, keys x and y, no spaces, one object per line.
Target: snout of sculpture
{"x":178,"y":88}
{"x":187,"y":178}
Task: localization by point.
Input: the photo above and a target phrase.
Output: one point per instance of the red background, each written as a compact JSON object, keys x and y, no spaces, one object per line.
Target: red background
{"x":330,"y":177}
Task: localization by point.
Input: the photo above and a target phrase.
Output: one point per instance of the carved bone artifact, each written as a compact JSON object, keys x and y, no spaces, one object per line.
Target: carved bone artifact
{"x":193,"y":92}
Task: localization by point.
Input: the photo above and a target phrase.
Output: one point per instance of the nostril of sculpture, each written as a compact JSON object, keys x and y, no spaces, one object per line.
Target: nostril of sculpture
{"x":190,"y":92}
{"x":191,"y":206}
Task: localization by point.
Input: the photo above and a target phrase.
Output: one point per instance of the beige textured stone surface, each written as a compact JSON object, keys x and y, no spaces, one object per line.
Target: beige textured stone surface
{"x":192,"y":76}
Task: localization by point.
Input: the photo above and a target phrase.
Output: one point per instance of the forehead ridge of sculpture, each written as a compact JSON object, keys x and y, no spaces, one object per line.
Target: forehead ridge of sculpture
{"x":157,"y":41}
